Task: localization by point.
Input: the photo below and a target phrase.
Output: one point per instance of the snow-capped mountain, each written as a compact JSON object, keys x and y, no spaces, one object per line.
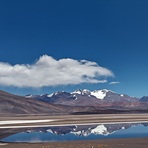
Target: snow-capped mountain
{"x":100,"y":94}
{"x":86,"y":97}
{"x":77,"y":102}
{"x":82,"y":92}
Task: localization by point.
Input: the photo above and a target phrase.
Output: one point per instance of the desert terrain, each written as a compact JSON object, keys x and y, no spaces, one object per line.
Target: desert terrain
{"x":71,"y":119}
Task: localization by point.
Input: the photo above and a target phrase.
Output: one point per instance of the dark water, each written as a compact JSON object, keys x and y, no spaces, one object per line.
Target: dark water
{"x":75,"y":132}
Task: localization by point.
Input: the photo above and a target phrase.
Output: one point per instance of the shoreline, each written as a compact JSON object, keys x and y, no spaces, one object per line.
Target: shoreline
{"x":72,"y":124}
{"x":67,"y":120}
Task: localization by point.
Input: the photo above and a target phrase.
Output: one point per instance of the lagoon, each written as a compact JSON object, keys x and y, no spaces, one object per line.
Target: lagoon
{"x":75,"y":132}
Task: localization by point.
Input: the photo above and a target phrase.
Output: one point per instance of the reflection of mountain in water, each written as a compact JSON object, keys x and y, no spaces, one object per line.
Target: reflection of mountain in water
{"x":76,"y":130}
{"x":85,"y":130}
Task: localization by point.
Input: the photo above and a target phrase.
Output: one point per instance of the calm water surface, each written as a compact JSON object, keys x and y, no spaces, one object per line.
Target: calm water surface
{"x":75,"y":132}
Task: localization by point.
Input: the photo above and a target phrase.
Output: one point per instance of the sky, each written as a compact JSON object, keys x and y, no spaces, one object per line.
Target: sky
{"x":64,"y":45}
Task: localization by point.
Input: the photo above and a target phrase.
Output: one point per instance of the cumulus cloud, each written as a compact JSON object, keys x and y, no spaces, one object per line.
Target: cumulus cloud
{"x":47,"y":71}
{"x":112,"y":83}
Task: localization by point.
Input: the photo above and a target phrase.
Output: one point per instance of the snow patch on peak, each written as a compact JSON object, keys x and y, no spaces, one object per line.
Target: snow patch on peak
{"x":55,"y":93}
{"x":75,"y":97}
{"x":100,"y":94}
{"x":59,"y":92}
{"x":29,"y":96}
{"x":81,"y":92}
{"x":85,"y":90}
{"x":50,"y":95}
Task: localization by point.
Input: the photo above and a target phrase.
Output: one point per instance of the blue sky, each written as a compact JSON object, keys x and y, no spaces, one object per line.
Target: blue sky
{"x":111,"y":33}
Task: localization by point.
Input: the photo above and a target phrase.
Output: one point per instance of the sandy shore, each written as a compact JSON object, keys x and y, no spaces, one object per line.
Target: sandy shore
{"x":41,"y":120}
{"x":109,"y":143}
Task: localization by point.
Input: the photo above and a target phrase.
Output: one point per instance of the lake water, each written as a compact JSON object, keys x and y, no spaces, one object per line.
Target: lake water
{"x":74,"y":132}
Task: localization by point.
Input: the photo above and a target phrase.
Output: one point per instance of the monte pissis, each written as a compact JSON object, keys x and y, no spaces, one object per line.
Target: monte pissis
{"x":77,"y":102}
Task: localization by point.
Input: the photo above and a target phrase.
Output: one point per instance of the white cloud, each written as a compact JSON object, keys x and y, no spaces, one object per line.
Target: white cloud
{"x":47,"y":71}
{"x":112,"y":83}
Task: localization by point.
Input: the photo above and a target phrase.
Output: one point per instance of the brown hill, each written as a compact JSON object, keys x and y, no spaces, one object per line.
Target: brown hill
{"x":10,"y":103}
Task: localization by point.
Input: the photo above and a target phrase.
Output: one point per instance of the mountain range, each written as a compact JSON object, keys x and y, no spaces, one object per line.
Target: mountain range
{"x":86,"y":98}
{"x":77,"y":102}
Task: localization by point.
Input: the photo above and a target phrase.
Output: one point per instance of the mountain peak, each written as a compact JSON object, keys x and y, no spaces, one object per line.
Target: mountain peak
{"x":99,"y":94}
{"x":81,"y":92}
